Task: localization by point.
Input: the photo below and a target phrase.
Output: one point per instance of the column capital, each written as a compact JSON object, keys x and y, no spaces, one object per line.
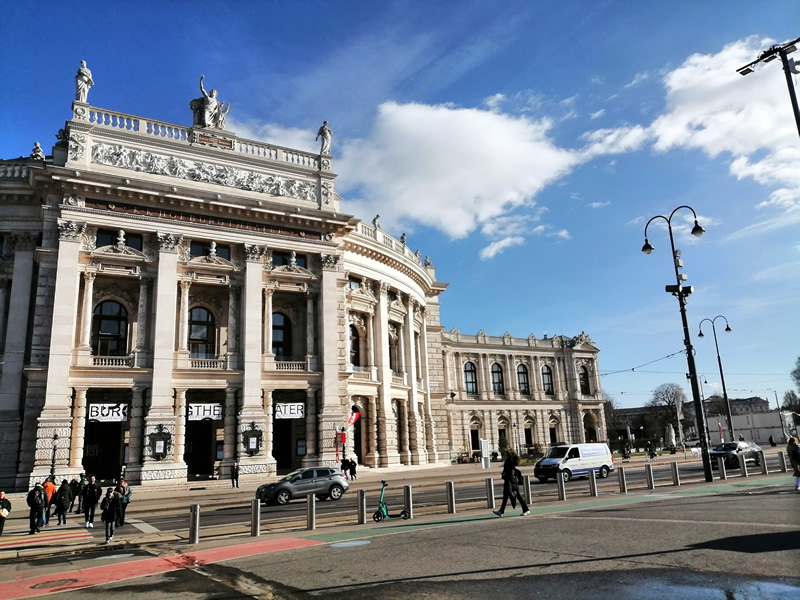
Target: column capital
{"x":70,"y":231}
{"x":168,"y":242}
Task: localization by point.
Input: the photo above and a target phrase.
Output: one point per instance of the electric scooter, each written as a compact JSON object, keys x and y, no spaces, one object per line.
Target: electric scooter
{"x":383,"y":510}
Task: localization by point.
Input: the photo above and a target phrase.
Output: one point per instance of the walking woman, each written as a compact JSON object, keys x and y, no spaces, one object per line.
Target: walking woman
{"x":112,"y":509}
{"x":512,"y":479}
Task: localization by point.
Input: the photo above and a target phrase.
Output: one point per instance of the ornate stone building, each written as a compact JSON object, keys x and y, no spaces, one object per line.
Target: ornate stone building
{"x":174,"y":299}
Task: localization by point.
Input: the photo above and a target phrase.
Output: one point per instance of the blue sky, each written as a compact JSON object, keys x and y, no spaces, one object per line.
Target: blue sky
{"x":521,"y":145}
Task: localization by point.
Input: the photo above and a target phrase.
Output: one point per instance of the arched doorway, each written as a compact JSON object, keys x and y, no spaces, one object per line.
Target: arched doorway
{"x":590,"y":427}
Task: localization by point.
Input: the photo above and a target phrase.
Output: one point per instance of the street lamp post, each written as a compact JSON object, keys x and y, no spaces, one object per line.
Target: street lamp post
{"x":53,"y":461}
{"x":789,"y":67}
{"x":719,"y":362}
{"x":681,"y":292}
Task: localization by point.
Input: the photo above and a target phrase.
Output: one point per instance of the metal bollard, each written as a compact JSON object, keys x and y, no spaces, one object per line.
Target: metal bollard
{"x":255,"y":517}
{"x":451,"y":497}
{"x":592,"y":483}
{"x":782,"y":462}
{"x":526,"y":489}
{"x":311,"y":511}
{"x":723,"y":474}
{"x":676,"y":476}
{"x":764,"y":467}
{"x":562,"y":487}
{"x":362,"y":507}
{"x":194,"y":523}
{"x":623,"y":482}
{"x":742,"y":465}
{"x":648,"y":471}
{"x":489,"y":493}
{"x":408,"y":496}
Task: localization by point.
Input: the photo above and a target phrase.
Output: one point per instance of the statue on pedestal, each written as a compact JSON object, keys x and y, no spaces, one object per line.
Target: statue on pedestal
{"x":326,"y":134}
{"x":83,"y":81}
{"x":208,"y":111}
{"x":37,"y":153}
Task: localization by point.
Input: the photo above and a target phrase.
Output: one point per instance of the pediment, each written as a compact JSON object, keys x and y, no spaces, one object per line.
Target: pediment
{"x":119,"y":253}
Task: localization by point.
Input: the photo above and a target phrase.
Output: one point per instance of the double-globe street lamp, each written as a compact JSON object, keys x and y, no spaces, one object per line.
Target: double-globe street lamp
{"x":719,"y":362}
{"x":53,"y":461}
{"x":681,"y":292}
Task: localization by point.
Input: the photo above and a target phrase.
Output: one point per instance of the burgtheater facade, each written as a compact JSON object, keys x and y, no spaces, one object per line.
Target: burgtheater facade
{"x":175,"y":299}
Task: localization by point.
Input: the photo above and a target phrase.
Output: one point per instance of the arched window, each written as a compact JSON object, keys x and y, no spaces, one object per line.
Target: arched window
{"x":497,"y":380}
{"x":202,"y":333}
{"x":355,"y":354}
{"x":470,"y":378}
{"x":110,"y":329}
{"x":522,"y":379}
{"x":583,"y":378}
{"x":281,"y":337}
{"x":547,"y":380}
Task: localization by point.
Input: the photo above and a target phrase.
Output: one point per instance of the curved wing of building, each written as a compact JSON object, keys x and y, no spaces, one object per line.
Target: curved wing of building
{"x":176,"y":299}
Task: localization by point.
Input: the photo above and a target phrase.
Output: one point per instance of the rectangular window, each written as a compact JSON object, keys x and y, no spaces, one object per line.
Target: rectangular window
{"x":285,"y":258}
{"x":354,"y":283}
{"x":108,"y":237}
{"x":475,"y":439}
{"x":200,"y":248}
{"x":528,"y":436}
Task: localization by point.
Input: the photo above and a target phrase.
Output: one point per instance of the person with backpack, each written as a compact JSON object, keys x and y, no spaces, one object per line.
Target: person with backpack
{"x":512,"y":479}
{"x":111,"y":508}
{"x":91,"y":496}
{"x":37,"y":501}
{"x":74,"y":487}
{"x":5,"y":508}
{"x":81,"y":490}
{"x":124,"y":491}
{"x":61,"y":500}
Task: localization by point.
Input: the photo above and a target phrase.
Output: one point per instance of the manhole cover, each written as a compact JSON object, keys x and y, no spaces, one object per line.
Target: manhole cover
{"x":349,"y":544}
{"x":52,"y":584}
{"x":111,"y":556}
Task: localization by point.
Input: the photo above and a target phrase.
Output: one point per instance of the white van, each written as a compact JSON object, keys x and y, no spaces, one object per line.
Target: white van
{"x":574,"y":460}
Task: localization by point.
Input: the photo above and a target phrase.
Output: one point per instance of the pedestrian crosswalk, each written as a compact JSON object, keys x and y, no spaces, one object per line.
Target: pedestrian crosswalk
{"x":51,"y":536}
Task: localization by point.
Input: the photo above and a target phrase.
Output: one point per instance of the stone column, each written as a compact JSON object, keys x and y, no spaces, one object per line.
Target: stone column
{"x":414,"y":442}
{"x":310,"y":334}
{"x":183,"y":319}
{"x":512,"y":387}
{"x":229,"y":424}
{"x":78,"y":430}
{"x":86,"y":310}
{"x":371,"y":346}
{"x":430,"y":440}
{"x":233,"y":333}
{"x":311,"y":428}
{"x":268,"y":321}
{"x":268,"y":420}
{"x":484,"y":381}
{"x":141,"y":322}
{"x":387,"y":428}
{"x":135,"y":443}
{"x":180,"y":424}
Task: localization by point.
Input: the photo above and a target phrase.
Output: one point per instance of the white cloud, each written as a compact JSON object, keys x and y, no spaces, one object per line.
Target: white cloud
{"x":597,"y":114}
{"x":493,"y":103}
{"x":271,"y":133}
{"x":497,"y":247}
{"x":614,"y":141}
{"x":453,"y":169}
{"x":638,"y":78}
{"x":598,"y":204}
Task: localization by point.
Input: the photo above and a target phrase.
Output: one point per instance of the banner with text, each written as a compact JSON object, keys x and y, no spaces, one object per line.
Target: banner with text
{"x":198,"y":412}
{"x":290,"y":411}
{"x":108,"y":412}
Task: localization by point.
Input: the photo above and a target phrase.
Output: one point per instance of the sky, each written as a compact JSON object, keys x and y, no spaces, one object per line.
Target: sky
{"x":522,"y":145}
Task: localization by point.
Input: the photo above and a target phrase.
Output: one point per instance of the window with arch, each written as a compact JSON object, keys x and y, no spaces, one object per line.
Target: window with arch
{"x":547,"y":380}
{"x":110,"y":329}
{"x":470,"y":378}
{"x":202,"y":333}
{"x":281,"y":337}
{"x":498,"y":386}
{"x":355,"y":347}
{"x":583,"y":379}
{"x":522,"y":379}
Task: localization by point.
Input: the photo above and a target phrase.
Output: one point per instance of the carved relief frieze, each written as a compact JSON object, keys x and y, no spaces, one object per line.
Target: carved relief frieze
{"x":77,"y":146}
{"x":168,"y":241}
{"x":327,"y":192}
{"x":149,"y":162}
{"x":330,"y":262}
{"x":74,"y":200}
{"x":254,"y":253}
{"x":70,"y":230}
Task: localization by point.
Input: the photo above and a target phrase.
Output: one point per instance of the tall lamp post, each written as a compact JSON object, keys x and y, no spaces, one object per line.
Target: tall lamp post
{"x":719,"y":362}
{"x":53,"y":461}
{"x":789,"y":67}
{"x":681,"y":292}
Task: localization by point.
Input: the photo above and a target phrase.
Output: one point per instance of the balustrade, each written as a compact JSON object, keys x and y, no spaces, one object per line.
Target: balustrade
{"x":207,"y":363}
{"x":290,"y":365}
{"x":14,"y":171}
{"x":112,"y":361}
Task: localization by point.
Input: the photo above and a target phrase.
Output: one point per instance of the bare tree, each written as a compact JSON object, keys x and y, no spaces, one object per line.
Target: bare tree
{"x":667,"y":403}
{"x":795,"y":374}
{"x":791,"y":403}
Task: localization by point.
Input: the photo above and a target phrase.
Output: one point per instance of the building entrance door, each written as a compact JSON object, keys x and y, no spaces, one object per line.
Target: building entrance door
{"x":102,"y":451}
{"x":200,"y":449}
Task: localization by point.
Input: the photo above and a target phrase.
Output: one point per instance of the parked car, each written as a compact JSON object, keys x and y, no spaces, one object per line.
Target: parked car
{"x":730,"y":452}
{"x":324,"y":482}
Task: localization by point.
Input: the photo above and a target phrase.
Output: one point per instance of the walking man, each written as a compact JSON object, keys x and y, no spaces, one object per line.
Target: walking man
{"x":91,"y":496}
{"x":235,"y":475}
{"x":124,"y":491}
{"x":111,"y":508}
{"x":5,"y":508}
{"x":512,"y":479}
{"x":37,"y":501}
{"x":81,"y":490}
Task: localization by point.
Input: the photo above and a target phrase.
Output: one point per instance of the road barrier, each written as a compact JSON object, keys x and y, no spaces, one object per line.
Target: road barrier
{"x":489,"y":493}
{"x":526,"y":489}
{"x":592,"y":483}
{"x":676,"y":476}
{"x":194,"y":523}
{"x":782,"y":462}
{"x":450,"y":488}
{"x":723,"y":474}
{"x":408,"y":497}
{"x":562,"y":488}
{"x":623,"y":483}
{"x":648,"y":472}
{"x":763,"y":461}
{"x":742,"y":464}
{"x":311,"y":512}
{"x":255,"y":517}
{"x":362,"y":507}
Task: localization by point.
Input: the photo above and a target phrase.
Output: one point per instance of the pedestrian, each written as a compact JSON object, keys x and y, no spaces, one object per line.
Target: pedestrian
{"x":793,"y":450}
{"x":74,"y":487}
{"x":772,"y":441}
{"x":91,"y":496}
{"x":111,"y":509}
{"x":235,"y":475}
{"x":37,"y":501}
{"x":62,"y":500}
{"x":125,"y":492}
{"x":353,"y":465}
{"x":49,"y":489}
{"x":512,"y":479}
{"x":741,"y":437}
{"x":5,"y":508}
{"x":345,"y":467}
{"x":81,"y":490}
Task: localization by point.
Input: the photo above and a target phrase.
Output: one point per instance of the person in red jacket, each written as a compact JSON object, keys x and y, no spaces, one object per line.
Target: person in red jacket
{"x":49,"y":490}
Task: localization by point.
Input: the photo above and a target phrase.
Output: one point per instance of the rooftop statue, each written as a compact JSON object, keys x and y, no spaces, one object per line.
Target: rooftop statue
{"x":83,"y":81}
{"x":37,"y":152}
{"x":326,"y":134}
{"x":208,"y":111}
